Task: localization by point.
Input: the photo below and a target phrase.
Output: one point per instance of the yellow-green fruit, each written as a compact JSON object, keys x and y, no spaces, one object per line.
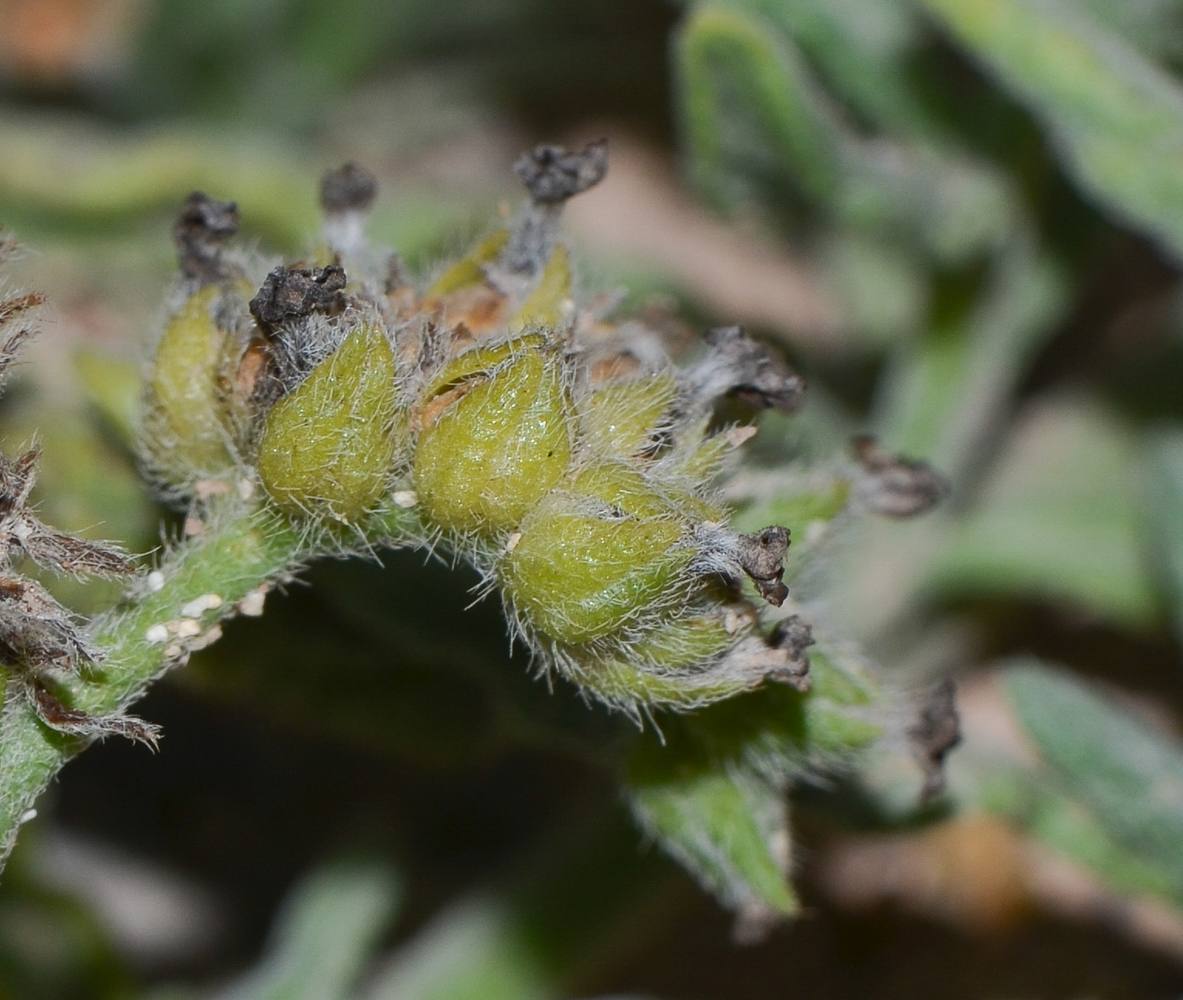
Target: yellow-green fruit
{"x":576,"y":574}
{"x":329,"y":446}
{"x":499,"y":444}
{"x":621,"y":418}
{"x":184,"y":428}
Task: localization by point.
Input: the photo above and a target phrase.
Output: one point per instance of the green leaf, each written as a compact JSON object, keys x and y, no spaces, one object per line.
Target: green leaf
{"x":1154,"y":26}
{"x":1128,"y":775}
{"x":474,"y":951}
{"x":861,"y":46}
{"x":114,"y":386}
{"x":1057,"y":519}
{"x":1066,"y":826}
{"x":943,"y":395}
{"x":1114,"y":118}
{"x":747,"y":95}
{"x":1164,"y":498}
{"x":325,"y":937}
{"x":759,"y":126}
{"x":711,"y":789}
{"x":729,"y":830}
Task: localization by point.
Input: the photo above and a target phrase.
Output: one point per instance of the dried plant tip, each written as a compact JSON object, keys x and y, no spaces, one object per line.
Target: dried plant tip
{"x":201,"y":231}
{"x":69,"y":720}
{"x":349,"y":188}
{"x":740,"y":366}
{"x":16,"y":482}
{"x":13,"y":307}
{"x":290,"y":293}
{"x":936,"y":732}
{"x":794,"y":636}
{"x":762,"y":556}
{"x":895,"y":486}
{"x":66,"y":553}
{"x":36,"y":632}
{"x":14,"y":341}
{"x":552,"y":175}
{"x":47,"y":547}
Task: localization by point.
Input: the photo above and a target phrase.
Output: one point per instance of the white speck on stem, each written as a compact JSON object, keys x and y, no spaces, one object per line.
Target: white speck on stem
{"x":252,"y":605}
{"x":405,"y":498}
{"x":27,"y":815}
{"x":155,"y":581}
{"x":513,"y":541}
{"x":157,"y":633}
{"x":199,"y":605}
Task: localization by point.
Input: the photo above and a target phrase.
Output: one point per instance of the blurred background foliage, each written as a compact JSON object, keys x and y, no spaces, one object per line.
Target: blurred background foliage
{"x":962,"y":219}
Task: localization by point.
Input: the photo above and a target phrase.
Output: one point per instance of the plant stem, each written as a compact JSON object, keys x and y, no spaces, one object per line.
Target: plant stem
{"x":239,"y":550}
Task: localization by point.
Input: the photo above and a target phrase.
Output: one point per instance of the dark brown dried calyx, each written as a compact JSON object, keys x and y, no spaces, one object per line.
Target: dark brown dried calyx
{"x":794,"y":636}
{"x":762,"y":557}
{"x":742,"y":367}
{"x":58,"y":716}
{"x":936,"y":732}
{"x":895,"y":486}
{"x":290,"y":293}
{"x":18,"y":306}
{"x":552,"y":174}
{"x":349,"y":188}
{"x":201,"y":233}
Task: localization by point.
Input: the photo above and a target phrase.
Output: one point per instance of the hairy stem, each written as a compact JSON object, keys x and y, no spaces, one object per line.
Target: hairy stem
{"x":201,"y":582}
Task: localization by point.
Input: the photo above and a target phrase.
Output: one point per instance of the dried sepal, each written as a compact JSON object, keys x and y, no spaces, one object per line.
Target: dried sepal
{"x":293,"y":293}
{"x":737,"y":365}
{"x":348,"y":188}
{"x":201,"y":233}
{"x":40,"y":639}
{"x":893,"y":485}
{"x":762,"y":557}
{"x":14,"y":331}
{"x":553,"y":175}
{"x":59,"y":551}
{"x":36,"y":632}
{"x":934,"y":734}
{"x":793,"y":635}
{"x":63,"y":719}
{"x":346,"y":195}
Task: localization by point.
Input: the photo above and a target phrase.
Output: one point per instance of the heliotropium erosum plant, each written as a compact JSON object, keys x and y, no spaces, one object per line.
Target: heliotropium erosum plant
{"x":334,"y":405}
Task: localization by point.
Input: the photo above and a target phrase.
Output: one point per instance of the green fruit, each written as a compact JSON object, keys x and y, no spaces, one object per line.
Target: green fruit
{"x":496,"y":437}
{"x":599,"y":556}
{"x":329,"y":447}
{"x":184,"y":430}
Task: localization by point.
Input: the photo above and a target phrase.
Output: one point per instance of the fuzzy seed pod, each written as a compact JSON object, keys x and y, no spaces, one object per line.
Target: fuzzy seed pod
{"x":494,"y":437}
{"x":577,"y":477}
{"x":188,"y":433}
{"x":329,"y":446}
